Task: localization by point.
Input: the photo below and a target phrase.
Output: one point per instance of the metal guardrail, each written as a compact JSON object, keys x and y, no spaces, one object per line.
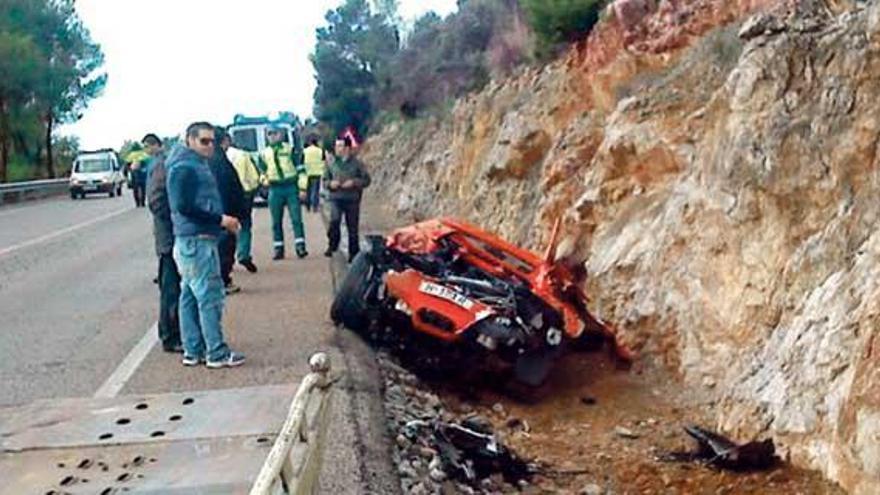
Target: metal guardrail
{"x":20,"y":190}
{"x":294,"y":462}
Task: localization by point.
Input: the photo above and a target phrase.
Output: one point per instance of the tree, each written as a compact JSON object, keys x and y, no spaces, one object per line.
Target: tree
{"x":20,"y":66}
{"x":71,"y":79}
{"x":351,"y":58}
{"x":48,"y":66}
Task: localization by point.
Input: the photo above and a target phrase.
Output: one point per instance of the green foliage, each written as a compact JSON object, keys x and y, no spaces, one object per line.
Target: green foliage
{"x":351,"y":59}
{"x":48,"y":74}
{"x":365,"y":76}
{"x":556,"y":22}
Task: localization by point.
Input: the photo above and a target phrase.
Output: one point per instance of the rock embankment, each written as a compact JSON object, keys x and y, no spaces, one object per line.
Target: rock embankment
{"x":716,"y":165}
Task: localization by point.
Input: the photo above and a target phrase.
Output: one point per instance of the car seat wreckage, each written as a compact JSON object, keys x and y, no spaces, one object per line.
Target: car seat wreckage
{"x":444,"y":291}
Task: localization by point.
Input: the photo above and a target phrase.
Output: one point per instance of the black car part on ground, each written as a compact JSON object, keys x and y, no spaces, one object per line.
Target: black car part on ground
{"x":721,"y":452}
{"x":471,"y":453}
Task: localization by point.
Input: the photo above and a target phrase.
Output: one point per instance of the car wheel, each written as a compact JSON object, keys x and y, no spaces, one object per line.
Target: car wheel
{"x":112,"y":193}
{"x":72,"y":195}
{"x":350,"y":307}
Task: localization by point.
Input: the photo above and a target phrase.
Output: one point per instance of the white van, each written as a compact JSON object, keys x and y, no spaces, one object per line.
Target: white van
{"x":96,"y":172}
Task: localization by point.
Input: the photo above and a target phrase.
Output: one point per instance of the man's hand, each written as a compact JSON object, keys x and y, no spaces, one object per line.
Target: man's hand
{"x":302,"y":196}
{"x":334,"y":185}
{"x":230,"y":223}
{"x":349,"y":184}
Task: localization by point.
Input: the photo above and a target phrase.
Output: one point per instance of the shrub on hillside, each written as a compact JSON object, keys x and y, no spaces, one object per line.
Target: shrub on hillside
{"x":445,"y":58}
{"x":557,"y":22}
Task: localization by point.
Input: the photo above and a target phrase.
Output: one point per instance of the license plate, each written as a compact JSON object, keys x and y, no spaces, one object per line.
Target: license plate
{"x":90,"y":187}
{"x":445,"y":293}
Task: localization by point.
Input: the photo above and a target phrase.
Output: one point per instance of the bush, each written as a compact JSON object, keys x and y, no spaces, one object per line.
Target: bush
{"x":446,"y":58}
{"x":556,"y":22}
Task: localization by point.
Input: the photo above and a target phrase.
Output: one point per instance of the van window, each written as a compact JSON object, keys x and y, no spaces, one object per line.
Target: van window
{"x":93,"y":165}
{"x":245,"y":139}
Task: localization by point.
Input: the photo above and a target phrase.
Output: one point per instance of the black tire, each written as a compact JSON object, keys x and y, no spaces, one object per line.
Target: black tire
{"x":73,"y":195}
{"x":350,"y":306}
{"x":112,"y":193}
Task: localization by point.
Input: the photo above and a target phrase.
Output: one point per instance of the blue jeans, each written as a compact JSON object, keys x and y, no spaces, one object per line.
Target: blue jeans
{"x":201,"y":297}
{"x":243,"y":245}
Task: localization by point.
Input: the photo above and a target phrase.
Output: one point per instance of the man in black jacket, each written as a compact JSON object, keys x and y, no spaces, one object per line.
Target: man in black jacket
{"x":169,"y":277}
{"x":232,"y":197}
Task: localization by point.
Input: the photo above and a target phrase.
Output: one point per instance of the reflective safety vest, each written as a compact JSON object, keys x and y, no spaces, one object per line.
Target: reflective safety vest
{"x":314,"y":158}
{"x":248,"y":173}
{"x":283,"y":170}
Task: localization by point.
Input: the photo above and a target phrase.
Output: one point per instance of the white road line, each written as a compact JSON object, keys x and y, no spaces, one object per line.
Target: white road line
{"x":129,"y":365}
{"x":61,"y":232}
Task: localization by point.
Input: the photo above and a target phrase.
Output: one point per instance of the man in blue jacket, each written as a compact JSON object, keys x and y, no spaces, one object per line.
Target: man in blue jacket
{"x":198,"y":220}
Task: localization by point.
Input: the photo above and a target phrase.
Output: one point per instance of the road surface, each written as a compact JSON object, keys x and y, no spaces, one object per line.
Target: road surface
{"x":78,"y":309}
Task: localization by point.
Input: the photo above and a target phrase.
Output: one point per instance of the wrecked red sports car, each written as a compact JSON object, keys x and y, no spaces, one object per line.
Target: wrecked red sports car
{"x":481,"y":299}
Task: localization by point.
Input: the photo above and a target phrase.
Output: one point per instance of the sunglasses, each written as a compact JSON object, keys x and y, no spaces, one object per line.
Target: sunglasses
{"x":206,"y":141}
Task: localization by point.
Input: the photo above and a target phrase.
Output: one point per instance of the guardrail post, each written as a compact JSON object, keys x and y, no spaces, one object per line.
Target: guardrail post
{"x":295,"y":459}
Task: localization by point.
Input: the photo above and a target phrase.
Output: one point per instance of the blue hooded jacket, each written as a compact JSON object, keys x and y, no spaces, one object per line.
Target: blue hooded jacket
{"x":196,"y":208}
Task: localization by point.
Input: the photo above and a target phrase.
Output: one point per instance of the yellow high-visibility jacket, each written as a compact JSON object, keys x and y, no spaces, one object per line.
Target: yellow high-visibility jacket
{"x":280,"y":168}
{"x":247,"y":171}
{"x":314,"y":158}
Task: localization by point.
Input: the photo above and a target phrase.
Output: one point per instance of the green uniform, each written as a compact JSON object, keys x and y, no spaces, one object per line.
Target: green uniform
{"x":286,"y":180}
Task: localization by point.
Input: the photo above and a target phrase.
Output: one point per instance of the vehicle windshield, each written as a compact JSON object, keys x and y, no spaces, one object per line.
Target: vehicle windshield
{"x":93,"y":165}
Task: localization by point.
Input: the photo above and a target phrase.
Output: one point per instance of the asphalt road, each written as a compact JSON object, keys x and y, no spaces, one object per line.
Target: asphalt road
{"x":76,"y":298}
{"x":75,"y":294}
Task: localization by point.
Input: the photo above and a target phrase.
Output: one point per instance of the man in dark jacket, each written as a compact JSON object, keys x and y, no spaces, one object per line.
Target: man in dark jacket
{"x":169,"y":277}
{"x":232,"y":197}
{"x":198,"y":221}
{"x":346,"y":178}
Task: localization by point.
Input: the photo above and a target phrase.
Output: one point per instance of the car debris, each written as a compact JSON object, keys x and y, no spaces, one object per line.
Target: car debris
{"x":449,"y":297}
{"x":471,"y":455}
{"x":719,"y":451}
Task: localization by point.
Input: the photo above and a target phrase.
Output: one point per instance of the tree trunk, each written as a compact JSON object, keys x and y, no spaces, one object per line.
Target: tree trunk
{"x":50,"y":160}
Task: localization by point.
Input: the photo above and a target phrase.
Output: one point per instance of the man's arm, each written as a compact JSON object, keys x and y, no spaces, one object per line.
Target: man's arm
{"x":157,"y":196}
{"x":236,"y":191}
{"x":182,"y":183}
{"x":362,"y":178}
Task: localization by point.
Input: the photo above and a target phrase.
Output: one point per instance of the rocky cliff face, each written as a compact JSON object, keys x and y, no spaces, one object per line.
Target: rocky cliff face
{"x":716,"y":165}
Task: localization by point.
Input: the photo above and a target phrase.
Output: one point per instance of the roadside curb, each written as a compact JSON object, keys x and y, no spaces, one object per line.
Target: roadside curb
{"x":364,"y":390}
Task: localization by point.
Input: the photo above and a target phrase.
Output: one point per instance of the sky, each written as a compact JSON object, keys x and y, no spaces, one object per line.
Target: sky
{"x":172,"y":62}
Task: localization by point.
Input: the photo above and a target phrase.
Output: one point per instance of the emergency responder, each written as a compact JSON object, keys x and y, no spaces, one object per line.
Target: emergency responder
{"x":287,"y":187}
{"x":249,"y":175}
{"x":346,"y":178}
{"x":315,"y":160}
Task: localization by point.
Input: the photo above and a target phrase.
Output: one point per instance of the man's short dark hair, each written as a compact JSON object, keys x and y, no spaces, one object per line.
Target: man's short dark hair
{"x":151,"y":140}
{"x":313,"y":140}
{"x":192,"y":131}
